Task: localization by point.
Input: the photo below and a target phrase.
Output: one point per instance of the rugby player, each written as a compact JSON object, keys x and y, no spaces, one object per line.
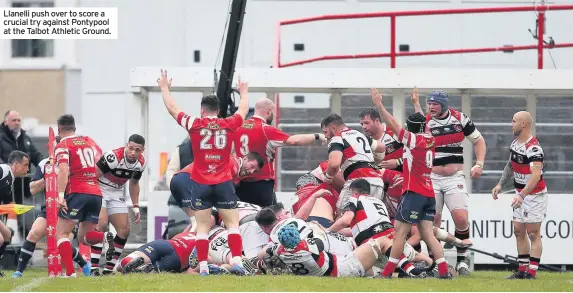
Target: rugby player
{"x":79,"y":196}
{"x":450,"y":127}
{"x":529,"y":205}
{"x":377,"y":130}
{"x":39,"y":228}
{"x":257,"y":134}
{"x":354,"y":155}
{"x":116,"y":168}
{"x":18,"y":164}
{"x":418,"y":204}
{"x":210,"y":180}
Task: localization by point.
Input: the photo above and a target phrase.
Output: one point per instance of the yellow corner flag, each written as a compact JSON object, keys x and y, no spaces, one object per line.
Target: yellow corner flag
{"x":17,"y":209}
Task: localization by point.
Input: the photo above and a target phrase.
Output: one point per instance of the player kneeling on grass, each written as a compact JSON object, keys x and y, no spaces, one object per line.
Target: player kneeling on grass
{"x":308,"y":257}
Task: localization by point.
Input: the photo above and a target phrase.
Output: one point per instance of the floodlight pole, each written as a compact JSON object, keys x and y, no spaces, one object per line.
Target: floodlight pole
{"x":230,"y":55}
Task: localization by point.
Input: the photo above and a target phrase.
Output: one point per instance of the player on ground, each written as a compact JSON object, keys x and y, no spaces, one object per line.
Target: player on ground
{"x":525,"y":165}
{"x":316,"y":201}
{"x":418,"y":204}
{"x":39,"y":228}
{"x":79,"y":195}
{"x":368,"y":219}
{"x":210,"y":180}
{"x":450,"y":127}
{"x":375,"y":129}
{"x":116,"y":168}
{"x":17,"y":166}
{"x":257,"y":134}
{"x":354,"y":154}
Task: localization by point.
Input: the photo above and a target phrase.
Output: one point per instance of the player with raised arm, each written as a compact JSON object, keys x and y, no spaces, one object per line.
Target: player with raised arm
{"x":450,"y":127}
{"x":377,"y":130}
{"x":418,"y":204}
{"x":354,"y":155}
{"x":257,"y":134}
{"x":79,"y":195}
{"x":529,"y":205}
{"x":211,"y":182}
{"x":115,"y":168}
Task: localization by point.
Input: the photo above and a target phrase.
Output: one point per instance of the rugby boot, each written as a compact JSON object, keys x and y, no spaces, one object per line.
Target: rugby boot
{"x":108,"y":246}
{"x":217,"y":270}
{"x":463,"y":268}
{"x":516,"y":275}
{"x":528,"y":276}
{"x":239,"y":270}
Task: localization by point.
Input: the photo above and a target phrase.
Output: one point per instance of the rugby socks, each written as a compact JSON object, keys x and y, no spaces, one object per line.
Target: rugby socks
{"x":95,"y":255}
{"x":3,"y":248}
{"x":235,"y":245}
{"x":462,"y":251}
{"x":533,"y":265}
{"x":78,"y":257}
{"x":390,"y":267}
{"x":523,"y":260}
{"x":94,"y":237}
{"x":118,"y":244}
{"x":442,"y":267}
{"x":65,"y":250}
{"x":202,"y":246}
{"x":26,"y":253}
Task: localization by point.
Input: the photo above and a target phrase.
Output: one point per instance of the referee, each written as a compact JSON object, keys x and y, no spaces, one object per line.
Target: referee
{"x":17,"y":166}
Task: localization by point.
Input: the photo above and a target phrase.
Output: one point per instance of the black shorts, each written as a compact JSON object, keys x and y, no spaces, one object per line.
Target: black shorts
{"x":414,"y":208}
{"x":324,"y":222}
{"x":42,"y":213}
{"x":261,"y":193}
{"x":190,"y":194}
{"x":162,"y":255}
{"x":82,"y":207}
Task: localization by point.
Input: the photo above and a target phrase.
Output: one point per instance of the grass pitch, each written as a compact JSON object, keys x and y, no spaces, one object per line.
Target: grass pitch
{"x":37,"y":281}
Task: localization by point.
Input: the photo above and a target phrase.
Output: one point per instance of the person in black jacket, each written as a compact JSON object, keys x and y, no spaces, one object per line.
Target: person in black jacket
{"x":13,"y":138}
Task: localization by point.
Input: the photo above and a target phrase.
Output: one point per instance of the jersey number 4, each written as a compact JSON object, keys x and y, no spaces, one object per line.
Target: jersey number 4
{"x":87,"y":157}
{"x":220,"y":139}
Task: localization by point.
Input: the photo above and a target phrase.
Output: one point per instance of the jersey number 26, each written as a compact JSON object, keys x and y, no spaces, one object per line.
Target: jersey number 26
{"x":220,"y":139}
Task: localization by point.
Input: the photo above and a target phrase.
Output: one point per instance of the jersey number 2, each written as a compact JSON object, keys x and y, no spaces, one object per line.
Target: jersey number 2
{"x":220,"y":140}
{"x":86,"y":157}
{"x":365,"y":146}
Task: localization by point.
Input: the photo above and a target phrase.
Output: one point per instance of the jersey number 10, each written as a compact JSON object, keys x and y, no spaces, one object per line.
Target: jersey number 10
{"x":87,"y":157}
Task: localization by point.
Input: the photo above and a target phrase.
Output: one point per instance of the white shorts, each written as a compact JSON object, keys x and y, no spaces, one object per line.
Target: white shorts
{"x":349,"y":266}
{"x":254,"y":239}
{"x":376,"y":190}
{"x":450,"y":190}
{"x":219,"y":249}
{"x":339,"y":244}
{"x":114,"y":201}
{"x":533,"y":209}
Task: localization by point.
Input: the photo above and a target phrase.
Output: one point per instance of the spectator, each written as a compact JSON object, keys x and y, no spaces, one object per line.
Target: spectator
{"x":13,"y":138}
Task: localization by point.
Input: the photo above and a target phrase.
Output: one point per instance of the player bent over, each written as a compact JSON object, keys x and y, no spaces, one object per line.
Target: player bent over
{"x":308,"y":257}
{"x":39,"y":228}
{"x":316,"y":200}
{"x":368,"y":218}
{"x":79,"y":195}
{"x":418,"y":204}
{"x":210,"y":181}
{"x":18,"y":164}
{"x":530,"y":202}
{"x":116,"y":168}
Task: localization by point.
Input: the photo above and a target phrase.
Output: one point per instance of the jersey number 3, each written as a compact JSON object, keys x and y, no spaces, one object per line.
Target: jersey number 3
{"x":86,"y":157}
{"x":220,"y":139}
